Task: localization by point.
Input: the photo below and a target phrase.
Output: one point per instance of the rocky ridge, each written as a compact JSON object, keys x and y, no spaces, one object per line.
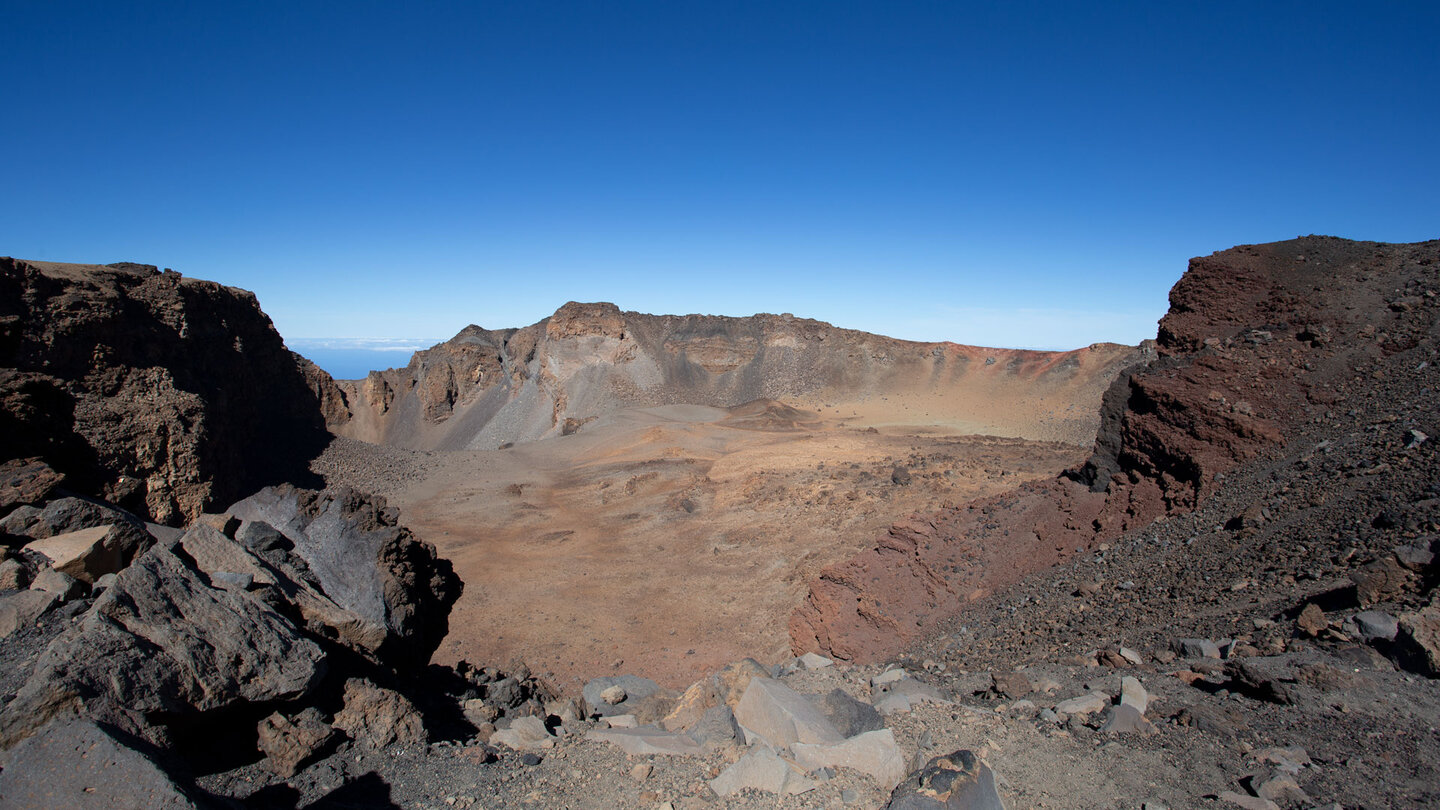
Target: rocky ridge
{"x":484,"y":388}
{"x":1258,"y":340}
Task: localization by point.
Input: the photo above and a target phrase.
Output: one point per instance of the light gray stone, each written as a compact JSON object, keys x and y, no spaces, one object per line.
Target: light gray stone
{"x":1082,"y":706}
{"x":1376,"y":625}
{"x":524,"y":734}
{"x":1247,"y":802}
{"x":782,"y":716}
{"x":815,"y":661}
{"x":1196,"y":648}
{"x":874,"y":753}
{"x":761,"y":769}
{"x":1132,"y":693}
{"x":59,"y":583}
{"x":648,"y":740}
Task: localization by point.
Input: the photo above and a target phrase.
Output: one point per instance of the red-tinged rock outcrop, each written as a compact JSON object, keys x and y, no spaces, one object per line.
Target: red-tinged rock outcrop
{"x":163,"y":394}
{"x":484,"y":388}
{"x":1259,"y":340}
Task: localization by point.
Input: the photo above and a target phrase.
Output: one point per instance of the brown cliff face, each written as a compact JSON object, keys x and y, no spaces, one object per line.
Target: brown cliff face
{"x":484,"y":387}
{"x":163,"y":394}
{"x":1259,"y":340}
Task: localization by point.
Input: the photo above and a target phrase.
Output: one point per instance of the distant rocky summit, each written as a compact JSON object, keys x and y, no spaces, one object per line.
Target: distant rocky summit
{"x":165,"y":395}
{"x":485,"y":387}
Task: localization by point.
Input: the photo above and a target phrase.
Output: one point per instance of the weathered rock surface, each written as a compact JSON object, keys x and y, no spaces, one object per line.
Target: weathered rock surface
{"x":20,"y":609}
{"x":873,"y":752}
{"x":782,"y":716}
{"x":160,"y":644}
{"x":26,"y":481}
{"x":79,"y":764}
{"x":288,"y":742}
{"x":144,"y":388}
{"x":376,"y":717}
{"x":396,"y":592}
{"x":87,"y":554}
{"x":761,"y":769}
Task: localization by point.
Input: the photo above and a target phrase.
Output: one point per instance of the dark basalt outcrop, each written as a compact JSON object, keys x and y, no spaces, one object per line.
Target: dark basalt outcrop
{"x":1259,"y":340}
{"x":164,"y":395}
{"x":236,"y":617}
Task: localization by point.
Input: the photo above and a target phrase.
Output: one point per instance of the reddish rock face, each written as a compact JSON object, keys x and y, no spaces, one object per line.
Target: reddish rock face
{"x":1256,"y":340}
{"x":162,"y":394}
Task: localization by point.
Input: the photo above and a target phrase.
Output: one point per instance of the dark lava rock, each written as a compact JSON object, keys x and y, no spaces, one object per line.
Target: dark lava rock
{"x":959,"y":781}
{"x":396,"y":590}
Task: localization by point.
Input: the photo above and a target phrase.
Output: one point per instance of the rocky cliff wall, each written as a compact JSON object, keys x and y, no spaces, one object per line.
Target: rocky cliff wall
{"x":163,"y":394}
{"x":1260,"y":343}
{"x":487,"y":387}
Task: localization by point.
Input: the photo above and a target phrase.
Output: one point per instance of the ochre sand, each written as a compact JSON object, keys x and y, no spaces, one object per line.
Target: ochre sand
{"x":669,"y":541}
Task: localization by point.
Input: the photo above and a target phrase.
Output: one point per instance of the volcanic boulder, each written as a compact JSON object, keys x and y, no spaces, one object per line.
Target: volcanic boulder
{"x":395,"y":592}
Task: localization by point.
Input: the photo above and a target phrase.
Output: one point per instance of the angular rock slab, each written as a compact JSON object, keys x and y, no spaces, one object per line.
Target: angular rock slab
{"x":782,"y":716}
{"x":761,"y":769}
{"x":162,"y":641}
{"x":524,"y":734}
{"x":1083,"y":706}
{"x":395,"y":586}
{"x":23,"y":608}
{"x":874,"y":752}
{"x":86,"y":555}
{"x":959,"y":781}
{"x":648,"y":740}
{"x":1132,"y":693}
{"x":78,"y":764}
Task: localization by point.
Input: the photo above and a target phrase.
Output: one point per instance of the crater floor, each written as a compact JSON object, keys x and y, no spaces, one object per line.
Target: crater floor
{"x":669,"y":541}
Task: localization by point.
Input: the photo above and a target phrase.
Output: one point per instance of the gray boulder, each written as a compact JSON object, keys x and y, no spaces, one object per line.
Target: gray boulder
{"x":161,"y":641}
{"x":636,"y":691}
{"x":66,"y":515}
{"x":849,"y":715}
{"x":782,"y":716}
{"x":397,"y":590}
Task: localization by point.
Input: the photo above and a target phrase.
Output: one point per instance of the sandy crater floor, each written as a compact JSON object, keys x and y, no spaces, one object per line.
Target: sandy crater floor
{"x":669,"y":541}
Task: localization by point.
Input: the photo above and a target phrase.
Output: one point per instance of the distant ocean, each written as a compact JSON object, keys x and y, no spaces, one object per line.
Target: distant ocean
{"x":354,"y":358}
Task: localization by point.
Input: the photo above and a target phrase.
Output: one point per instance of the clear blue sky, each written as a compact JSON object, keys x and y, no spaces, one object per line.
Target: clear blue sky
{"x":1023,"y":174}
